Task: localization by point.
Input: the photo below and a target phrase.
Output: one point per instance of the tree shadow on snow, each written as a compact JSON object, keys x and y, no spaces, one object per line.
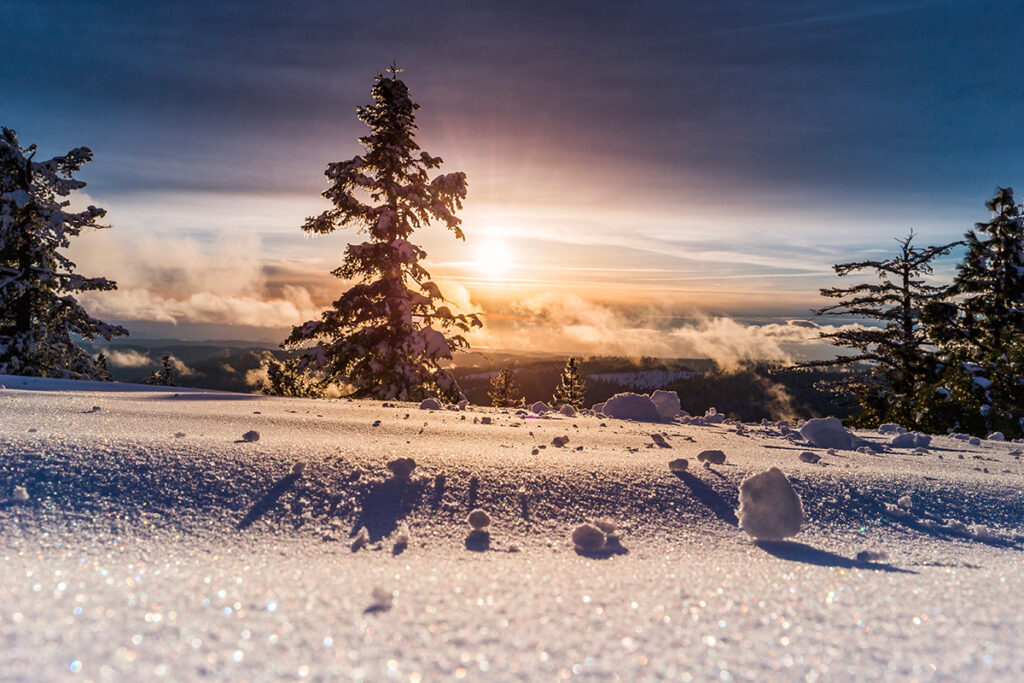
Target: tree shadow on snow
{"x":711,"y":498}
{"x":268,"y":500}
{"x":801,"y":552}
{"x":384,"y":504}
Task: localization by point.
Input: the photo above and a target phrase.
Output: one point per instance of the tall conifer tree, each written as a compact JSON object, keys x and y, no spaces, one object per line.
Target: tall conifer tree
{"x":385,"y":336}
{"x":39,"y":316}
{"x":572,"y":387}
{"x":980,"y":325}
{"x":893,"y":344}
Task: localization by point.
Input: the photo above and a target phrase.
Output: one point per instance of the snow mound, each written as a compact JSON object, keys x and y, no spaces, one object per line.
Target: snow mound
{"x":630,"y":406}
{"x":827,"y":432}
{"x":769,"y":507}
{"x":567,"y":410}
{"x":667,"y":403}
{"x":891,"y":428}
{"x":910,"y":440}
{"x":430,"y":404}
{"x":540,"y":407}
{"x":996,"y":436}
{"x":713,"y":417}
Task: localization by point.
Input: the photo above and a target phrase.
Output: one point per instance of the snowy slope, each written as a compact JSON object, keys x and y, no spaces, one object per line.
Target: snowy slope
{"x":156,"y":541}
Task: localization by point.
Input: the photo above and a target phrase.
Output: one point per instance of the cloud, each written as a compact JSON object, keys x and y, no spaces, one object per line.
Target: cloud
{"x":569,"y":324}
{"x":129,"y":358}
{"x":165,"y":278}
{"x":180,"y":367}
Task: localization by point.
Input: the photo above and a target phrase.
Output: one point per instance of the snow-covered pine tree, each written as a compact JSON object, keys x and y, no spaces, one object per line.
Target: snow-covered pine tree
{"x":504,"y":392}
{"x":103,"y":369}
{"x":572,"y":387}
{"x":894,"y":344}
{"x":39,"y":316}
{"x":166,"y":375}
{"x":385,"y":336}
{"x":980,"y":325}
{"x":283,"y":378}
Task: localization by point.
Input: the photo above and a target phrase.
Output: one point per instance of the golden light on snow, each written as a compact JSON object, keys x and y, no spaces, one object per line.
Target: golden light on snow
{"x":493,"y":259}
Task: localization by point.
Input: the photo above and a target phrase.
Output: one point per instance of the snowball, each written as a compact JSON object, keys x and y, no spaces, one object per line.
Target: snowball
{"x":587,"y":538}
{"x":20,"y":494}
{"x":402,"y":467}
{"x":298,"y":468}
{"x":540,"y":407}
{"x":807,"y":456}
{"x":567,"y":410}
{"x":462,"y":404}
{"x":974,"y":441}
{"x":251,"y":436}
{"x":667,"y":403}
{"x":903,"y":440}
{"x":826,"y":432}
{"x":179,"y":435}
{"x":713,"y":417}
{"x":769,"y":507}
{"x":905,"y":502}
{"x":382,"y":600}
{"x":479,"y":519}
{"x":660,"y":440}
{"x":631,"y":406}
{"x":678,"y":465}
{"x":559,"y":441}
{"x":430,"y":404}
{"x":712,"y":456}
{"x":401,"y":538}
{"x":872,"y":556}
{"x":891,"y":428}
{"x":361,"y":539}
{"x":485,"y":420}
{"x":996,"y":436}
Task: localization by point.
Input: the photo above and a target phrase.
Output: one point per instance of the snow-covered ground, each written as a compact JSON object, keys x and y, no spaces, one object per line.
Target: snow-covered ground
{"x":157,"y":542}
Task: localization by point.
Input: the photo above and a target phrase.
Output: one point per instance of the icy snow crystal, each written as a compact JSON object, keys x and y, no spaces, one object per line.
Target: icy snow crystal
{"x":769,"y":507}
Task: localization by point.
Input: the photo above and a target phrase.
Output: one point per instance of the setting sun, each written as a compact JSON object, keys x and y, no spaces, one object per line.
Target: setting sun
{"x":493,"y":258}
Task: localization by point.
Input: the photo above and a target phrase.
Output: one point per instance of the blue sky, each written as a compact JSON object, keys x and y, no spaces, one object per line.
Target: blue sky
{"x":661,"y":159}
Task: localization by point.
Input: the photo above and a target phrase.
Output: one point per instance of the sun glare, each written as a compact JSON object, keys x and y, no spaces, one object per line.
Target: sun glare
{"x":493,"y":258}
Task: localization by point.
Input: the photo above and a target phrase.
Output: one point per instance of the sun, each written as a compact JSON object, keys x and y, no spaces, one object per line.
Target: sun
{"x":493,"y":258}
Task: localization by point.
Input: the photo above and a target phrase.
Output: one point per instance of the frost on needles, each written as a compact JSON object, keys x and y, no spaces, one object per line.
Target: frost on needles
{"x":39,"y":316}
{"x":387,"y":335}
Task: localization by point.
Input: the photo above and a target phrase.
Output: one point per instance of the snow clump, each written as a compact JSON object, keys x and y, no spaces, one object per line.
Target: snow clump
{"x":769,"y":507}
{"x":678,"y":465}
{"x":810,"y":457}
{"x":402,"y":467}
{"x":826,"y":432}
{"x":630,"y":406}
{"x":20,"y":494}
{"x":711,"y":457}
{"x":713,"y":417}
{"x":891,"y":428}
{"x":430,"y":404}
{"x":540,"y":407}
{"x":667,"y":403}
{"x":567,"y":410}
{"x":996,"y":436}
{"x":910,"y":440}
{"x":559,"y":441}
{"x":479,"y":519}
{"x":251,"y":436}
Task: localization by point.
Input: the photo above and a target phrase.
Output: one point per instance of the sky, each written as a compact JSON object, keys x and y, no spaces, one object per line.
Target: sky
{"x":644,"y":177}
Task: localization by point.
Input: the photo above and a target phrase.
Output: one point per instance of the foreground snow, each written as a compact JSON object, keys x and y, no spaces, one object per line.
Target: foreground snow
{"x":157,"y":541}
